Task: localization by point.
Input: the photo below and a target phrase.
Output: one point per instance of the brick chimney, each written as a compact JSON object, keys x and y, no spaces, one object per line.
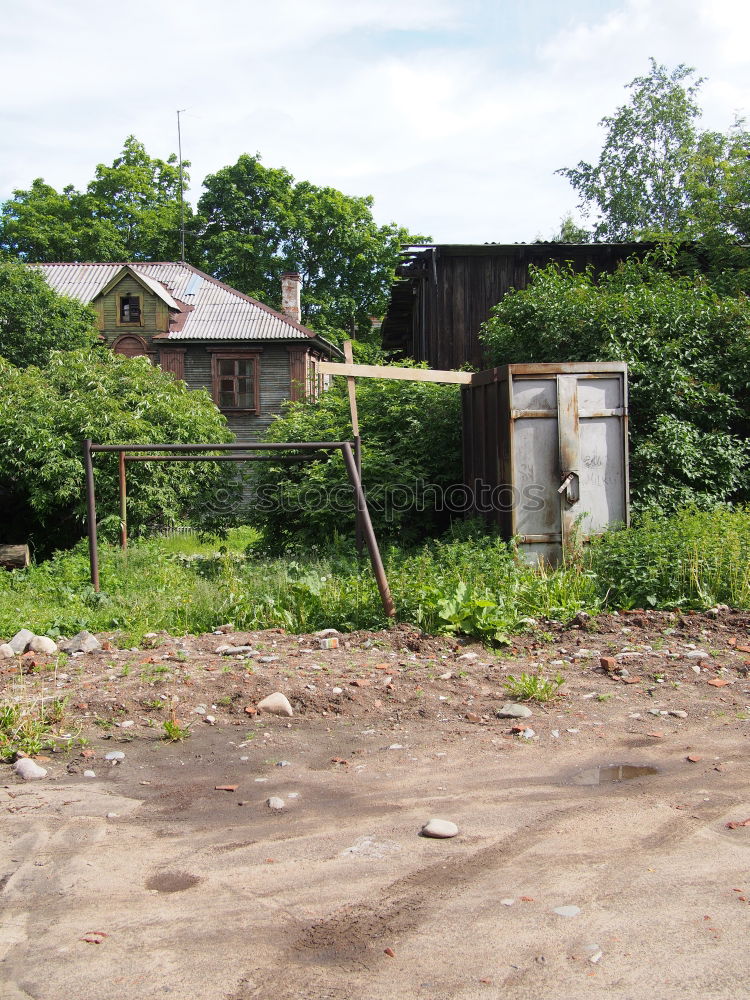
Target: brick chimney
{"x":291,"y":286}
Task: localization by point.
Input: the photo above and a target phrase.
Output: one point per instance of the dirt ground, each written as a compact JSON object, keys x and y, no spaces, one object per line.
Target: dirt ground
{"x":200,"y":893}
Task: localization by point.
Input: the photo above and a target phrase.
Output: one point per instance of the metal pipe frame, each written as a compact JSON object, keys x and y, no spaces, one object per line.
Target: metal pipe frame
{"x":124,"y":453}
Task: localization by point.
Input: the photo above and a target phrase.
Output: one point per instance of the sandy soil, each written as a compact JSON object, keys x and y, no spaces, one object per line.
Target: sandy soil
{"x":205,"y":894}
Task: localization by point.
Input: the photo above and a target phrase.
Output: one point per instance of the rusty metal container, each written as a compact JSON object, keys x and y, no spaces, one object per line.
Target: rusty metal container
{"x":545,"y":452}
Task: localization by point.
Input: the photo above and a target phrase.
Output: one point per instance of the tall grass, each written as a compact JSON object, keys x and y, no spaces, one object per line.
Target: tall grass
{"x":468,"y":584}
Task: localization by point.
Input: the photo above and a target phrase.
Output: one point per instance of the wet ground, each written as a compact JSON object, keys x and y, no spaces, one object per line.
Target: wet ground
{"x":148,"y":880}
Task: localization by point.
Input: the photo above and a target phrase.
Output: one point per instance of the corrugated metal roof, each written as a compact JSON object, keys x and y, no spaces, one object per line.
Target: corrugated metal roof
{"x":218,"y":311}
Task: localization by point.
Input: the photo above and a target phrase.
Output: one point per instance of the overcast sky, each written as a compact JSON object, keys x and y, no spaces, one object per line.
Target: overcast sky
{"x":453,"y":114}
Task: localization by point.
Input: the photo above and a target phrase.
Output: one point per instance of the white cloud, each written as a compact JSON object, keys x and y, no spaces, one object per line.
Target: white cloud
{"x":425,"y":106}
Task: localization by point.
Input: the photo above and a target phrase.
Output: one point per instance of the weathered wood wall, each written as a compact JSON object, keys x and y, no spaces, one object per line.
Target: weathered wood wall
{"x":447,"y":292}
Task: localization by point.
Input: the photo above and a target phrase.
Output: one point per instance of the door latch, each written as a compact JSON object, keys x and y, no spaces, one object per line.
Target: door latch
{"x":569,"y":487}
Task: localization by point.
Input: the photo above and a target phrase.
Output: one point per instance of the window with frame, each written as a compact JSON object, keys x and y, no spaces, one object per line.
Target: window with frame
{"x":130,"y":309}
{"x":236,"y":383}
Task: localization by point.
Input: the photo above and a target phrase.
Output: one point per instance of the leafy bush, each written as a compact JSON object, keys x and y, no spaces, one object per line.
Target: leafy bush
{"x":46,"y":412}
{"x":696,"y":559}
{"x":688,"y":353}
{"x":411,"y":436}
{"x":35,"y":320}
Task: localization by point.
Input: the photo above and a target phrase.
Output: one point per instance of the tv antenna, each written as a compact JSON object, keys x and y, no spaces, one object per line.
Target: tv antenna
{"x":182,"y":196}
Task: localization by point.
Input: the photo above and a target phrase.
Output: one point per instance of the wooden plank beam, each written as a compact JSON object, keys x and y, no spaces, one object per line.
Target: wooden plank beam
{"x":352,"y":388}
{"x":394,"y":372}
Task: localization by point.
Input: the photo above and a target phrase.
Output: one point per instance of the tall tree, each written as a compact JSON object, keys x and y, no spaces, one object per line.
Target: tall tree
{"x":129,"y":211}
{"x":258,"y":221}
{"x":638,"y":186}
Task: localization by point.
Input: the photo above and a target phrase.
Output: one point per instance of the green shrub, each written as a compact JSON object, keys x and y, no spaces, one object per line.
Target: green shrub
{"x":688,"y":354}
{"x":45,"y":413}
{"x":411,"y":436}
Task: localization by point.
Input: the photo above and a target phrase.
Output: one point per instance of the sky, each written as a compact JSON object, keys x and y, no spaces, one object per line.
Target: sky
{"x":452,"y":114}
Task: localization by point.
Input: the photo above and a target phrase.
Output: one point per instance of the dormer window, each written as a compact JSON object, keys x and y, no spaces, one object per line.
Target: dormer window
{"x":130,"y":309}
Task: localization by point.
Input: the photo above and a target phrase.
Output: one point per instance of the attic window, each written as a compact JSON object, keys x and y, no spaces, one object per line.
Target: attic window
{"x":130,"y":309}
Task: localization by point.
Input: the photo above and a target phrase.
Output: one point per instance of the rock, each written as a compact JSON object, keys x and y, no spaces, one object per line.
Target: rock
{"x":337,"y":690}
{"x":210,"y":719}
{"x":43,"y":644}
{"x":283,"y":763}
{"x":468,"y":656}
{"x":226,"y":649}
{"x":276,"y":704}
{"x":268,"y":659}
{"x":567,"y":911}
{"x":695,"y":668}
{"x":582,"y":618}
{"x":89,"y":774}
{"x":446,"y":676}
{"x":114,"y":755}
{"x":441,"y":829}
{"x":608,"y":662}
{"x":511,"y":710}
{"x":528,"y":734}
{"x":696,"y":654}
{"x":6,"y":651}
{"x":82,"y":642}
{"x":677,"y":713}
{"x":326,"y":633}
{"x":29,"y":770}
{"x":223,"y":629}
{"x":508,"y":901}
{"x":630,"y":654}
{"x":275,"y":803}
{"x":21,"y":640}
{"x":586,"y":654}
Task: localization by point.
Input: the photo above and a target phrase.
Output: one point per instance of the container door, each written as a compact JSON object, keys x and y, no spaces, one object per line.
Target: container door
{"x":569,"y":459}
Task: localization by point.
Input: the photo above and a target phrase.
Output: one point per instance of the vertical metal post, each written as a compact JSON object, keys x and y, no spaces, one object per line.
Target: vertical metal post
{"x":358,"y":534}
{"x":91,"y":513}
{"x":372,"y":543}
{"x":123,"y":503}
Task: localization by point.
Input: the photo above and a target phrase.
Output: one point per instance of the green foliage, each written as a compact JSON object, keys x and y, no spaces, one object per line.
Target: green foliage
{"x":472,"y":586}
{"x":35,"y":320}
{"x":688,"y":354}
{"x":696,"y":559}
{"x":533,"y":687}
{"x":658,"y":174}
{"x":257,"y":222}
{"x":174,"y":732}
{"x":411,"y":435}
{"x":27,"y":725}
{"x":129,"y":211}
{"x":46,"y":412}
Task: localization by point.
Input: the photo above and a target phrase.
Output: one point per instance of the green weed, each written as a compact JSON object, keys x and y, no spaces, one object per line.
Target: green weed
{"x":533,"y":687}
{"x":174,"y":732}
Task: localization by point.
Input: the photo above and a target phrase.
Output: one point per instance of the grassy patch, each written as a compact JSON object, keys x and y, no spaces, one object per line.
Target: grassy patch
{"x":533,"y":687}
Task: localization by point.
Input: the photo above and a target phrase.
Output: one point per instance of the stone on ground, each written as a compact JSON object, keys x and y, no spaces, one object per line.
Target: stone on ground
{"x":21,"y":640}
{"x":441,"y":829}
{"x":275,"y":803}
{"x":29,"y":770}
{"x":276,"y":704}
{"x":43,"y":644}
{"x":81,"y":642}
{"x":511,"y":710}
{"x":6,"y":651}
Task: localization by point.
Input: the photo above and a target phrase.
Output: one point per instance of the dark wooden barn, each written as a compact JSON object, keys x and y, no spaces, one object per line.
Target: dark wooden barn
{"x":444,"y":293}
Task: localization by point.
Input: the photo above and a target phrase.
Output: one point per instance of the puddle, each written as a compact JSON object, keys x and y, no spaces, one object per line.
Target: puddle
{"x":172,"y":881}
{"x":608,"y":773}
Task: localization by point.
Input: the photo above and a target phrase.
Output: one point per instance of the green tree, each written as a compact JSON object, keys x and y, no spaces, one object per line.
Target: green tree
{"x":257,"y":222}
{"x":688,"y":353}
{"x":638,"y":186}
{"x":45,"y":414}
{"x":411,"y":441}
{"x":35,"y":320}
{"x":129,"y":211}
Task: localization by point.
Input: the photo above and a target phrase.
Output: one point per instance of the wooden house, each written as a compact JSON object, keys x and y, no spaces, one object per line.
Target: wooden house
{"x":249,"y":357}
{"x":445,"y":292}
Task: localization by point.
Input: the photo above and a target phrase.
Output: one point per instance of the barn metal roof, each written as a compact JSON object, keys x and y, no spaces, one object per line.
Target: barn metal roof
{"x":209,"y":309}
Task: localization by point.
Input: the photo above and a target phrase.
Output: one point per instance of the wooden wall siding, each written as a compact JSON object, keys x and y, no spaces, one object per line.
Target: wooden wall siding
{"x":154,"y":312}
{"x":173,"y":360}
{"x":298,"y":364}
{"x":452,"y":299}
{"x":273,"y":368}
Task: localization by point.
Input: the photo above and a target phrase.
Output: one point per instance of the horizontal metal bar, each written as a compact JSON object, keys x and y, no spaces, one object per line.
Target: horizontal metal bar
{"x":615,"y":411}
{"x":537,"y":539}
{"x":216,"y":458}
{"x":234,"y":446}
